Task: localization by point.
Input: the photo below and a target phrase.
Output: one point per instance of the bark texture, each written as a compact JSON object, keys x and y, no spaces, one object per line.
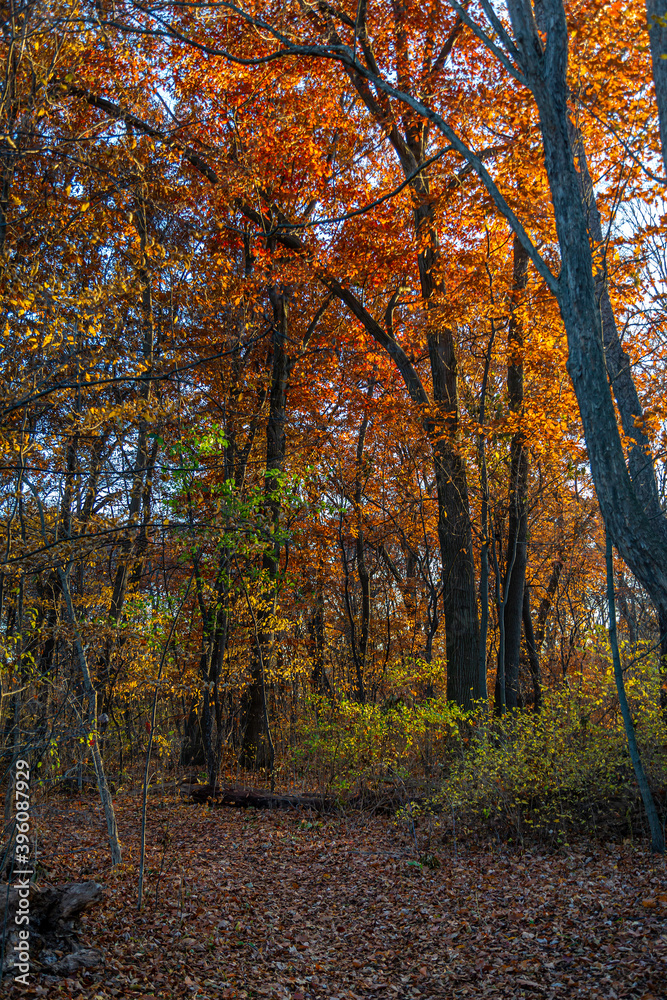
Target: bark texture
{"x":257,"y":747}
{"x":55,"y":947}
{"x":657,"y":834}
{"x":91,"y":698}
{"x":517,"y":537}
{"x":656,"y":15}
{"x":532,"y":651}
{"x":638,"y":538}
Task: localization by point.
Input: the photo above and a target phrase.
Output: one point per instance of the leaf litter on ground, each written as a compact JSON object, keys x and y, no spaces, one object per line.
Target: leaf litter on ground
{"x":258,"y":904}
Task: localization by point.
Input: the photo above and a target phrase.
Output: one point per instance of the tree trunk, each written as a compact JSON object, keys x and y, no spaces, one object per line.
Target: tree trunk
{"x":517,"y":538}
{"x":638,"y":537}
{"x":318,"y":676}
{"x":662,"y":625}
{"x":532,"y":651}
{"x":91,"y":697}
{"x":486,"y":541}
{"x":640,"y":462}
{"x":657,"y":836}
{"x":656,"y":15}
{"x":454,"y":527}
{"x":192,"y":749}
{"x":361,"y":652}
{"x":257,"y":746}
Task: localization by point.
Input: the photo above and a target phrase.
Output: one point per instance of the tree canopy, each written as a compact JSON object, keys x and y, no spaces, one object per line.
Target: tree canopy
{"x":333,"y":354}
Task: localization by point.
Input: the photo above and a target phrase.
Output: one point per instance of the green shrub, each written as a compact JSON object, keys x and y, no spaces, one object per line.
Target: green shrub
{"x":521,"y":775}
{"x":566,"y":768}
{"x":347,"y":745}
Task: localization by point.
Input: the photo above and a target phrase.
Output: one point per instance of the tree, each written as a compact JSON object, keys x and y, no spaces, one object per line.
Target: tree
{"x":656,"y":15}
{"x":535,"y":58}
{"x":266,"y":326}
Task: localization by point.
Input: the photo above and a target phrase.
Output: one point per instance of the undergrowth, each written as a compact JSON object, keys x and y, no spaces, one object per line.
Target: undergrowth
{"x":521,"y":777}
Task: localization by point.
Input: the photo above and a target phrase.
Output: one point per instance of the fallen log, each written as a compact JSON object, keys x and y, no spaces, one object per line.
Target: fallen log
{"x":380,"y":802}
{"x":53,"y":944}
{"x":258,"y":799}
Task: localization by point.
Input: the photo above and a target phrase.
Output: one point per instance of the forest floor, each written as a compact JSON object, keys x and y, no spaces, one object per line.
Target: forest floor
{"x":243,"y":903}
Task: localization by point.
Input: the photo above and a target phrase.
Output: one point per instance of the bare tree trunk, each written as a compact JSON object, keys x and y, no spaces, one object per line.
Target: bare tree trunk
{"x":656,"y":15}
{"x":500,"y":696}
{"x":640,"y":461}
{"x":319,"y":679}
{"x":517,"y":538}
{"x":657,"y":835}
{"x":546,"y":602}
{"x":486,"y":534}
{"x":91,"y":697}
{"x":662,"y":625}
{"x":192,"y":750}
{"x":257,"y":745}
{"x":441,"y":427}
{"x":454,"y":527}
{"x":361,"y":652}
{"x":639,"y":537}
{"x":532,"y":650}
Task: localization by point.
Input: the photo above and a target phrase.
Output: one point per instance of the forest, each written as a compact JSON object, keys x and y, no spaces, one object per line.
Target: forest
{"x":333,"y":497}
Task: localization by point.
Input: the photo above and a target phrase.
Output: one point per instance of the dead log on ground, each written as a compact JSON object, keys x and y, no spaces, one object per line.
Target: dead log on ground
{"x":379,"y":802}
{"x":258,"y":799}
{"x":53,"y":913}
